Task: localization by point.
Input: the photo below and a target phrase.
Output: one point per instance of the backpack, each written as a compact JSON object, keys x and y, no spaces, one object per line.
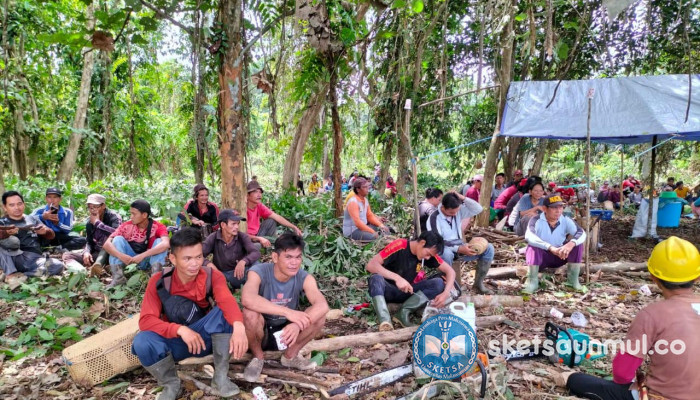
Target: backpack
{"x":179,"y":309}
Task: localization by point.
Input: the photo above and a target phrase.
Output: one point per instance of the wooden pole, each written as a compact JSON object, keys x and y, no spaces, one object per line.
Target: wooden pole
{"x":587,"y":171}
{"x":407,"y":132}
{"x":652,"y":179}
{"x":622,"y":166}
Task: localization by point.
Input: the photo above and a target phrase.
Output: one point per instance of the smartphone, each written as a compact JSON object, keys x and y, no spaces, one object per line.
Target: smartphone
{"x":54,"y":210}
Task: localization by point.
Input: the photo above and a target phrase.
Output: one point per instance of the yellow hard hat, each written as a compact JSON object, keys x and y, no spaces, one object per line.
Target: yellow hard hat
{"x":675,"y":260}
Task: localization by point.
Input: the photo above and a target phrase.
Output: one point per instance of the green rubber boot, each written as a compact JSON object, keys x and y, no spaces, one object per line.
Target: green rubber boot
{"x":413,"y":303}
{"x":220,"y":349}
{"x":380,"y":307}
{"x":482,"y":268}
{"x":572,"y":273}
{"x":166,"y":374}
{"x":533,"y":282}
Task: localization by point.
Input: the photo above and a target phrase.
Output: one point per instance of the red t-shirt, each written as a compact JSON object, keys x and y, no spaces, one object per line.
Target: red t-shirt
{"x":254,"y":215}
{"x":567,"y":193}
{"x":152,"y":309}
{"x":473,"y":193}
{"x":132,"y":233}
{"x":502,"y":200}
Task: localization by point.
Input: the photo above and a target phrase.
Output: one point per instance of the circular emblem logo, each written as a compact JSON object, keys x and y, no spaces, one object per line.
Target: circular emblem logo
{"x":444,"y":347}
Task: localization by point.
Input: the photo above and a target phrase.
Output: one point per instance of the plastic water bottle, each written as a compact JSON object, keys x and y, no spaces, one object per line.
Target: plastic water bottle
{"x":471,"y":316}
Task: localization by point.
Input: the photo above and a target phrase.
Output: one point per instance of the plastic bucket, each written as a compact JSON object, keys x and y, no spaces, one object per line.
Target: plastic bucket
{"x":669,"y":216}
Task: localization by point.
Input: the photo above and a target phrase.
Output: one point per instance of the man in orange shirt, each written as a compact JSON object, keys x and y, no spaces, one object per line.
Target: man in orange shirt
{"x":177,"y":320}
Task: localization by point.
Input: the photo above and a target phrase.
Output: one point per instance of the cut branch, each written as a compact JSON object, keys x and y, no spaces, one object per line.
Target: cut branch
{"x":162,"y":14}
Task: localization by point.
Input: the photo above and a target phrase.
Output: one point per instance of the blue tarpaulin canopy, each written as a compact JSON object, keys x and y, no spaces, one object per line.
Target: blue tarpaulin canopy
{"x":625,"y":110}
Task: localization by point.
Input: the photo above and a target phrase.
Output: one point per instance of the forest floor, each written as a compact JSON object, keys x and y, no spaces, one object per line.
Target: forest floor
{"x":610,"y":304}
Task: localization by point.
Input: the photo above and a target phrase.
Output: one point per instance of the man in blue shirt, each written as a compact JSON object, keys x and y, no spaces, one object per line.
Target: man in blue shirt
{"x":447,"y":221}
{"x":60,"y":220}
{"x":548,"y":247}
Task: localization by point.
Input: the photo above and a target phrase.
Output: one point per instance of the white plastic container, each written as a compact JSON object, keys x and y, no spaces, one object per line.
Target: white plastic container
{"x":466,"y":312}
{"x":259,"y":394}
{"x":278,"y":337}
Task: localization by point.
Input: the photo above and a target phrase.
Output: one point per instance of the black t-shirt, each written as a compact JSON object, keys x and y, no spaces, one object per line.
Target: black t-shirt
{"x":28,"y":240}
{"x":398,"y":258}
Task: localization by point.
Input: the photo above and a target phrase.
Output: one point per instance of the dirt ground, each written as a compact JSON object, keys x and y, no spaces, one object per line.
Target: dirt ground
{"x":612,"y":301}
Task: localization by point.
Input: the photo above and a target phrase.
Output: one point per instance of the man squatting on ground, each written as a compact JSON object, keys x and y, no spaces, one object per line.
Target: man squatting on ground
{"x":101,"y":223}
{"x":270,"y":298}
{"x":674,"y":265}
{"x":60,"y":220}
{"x":140,"y":240}
{"x":399,"y":276}
{"x":177,"y":320}
{"x":548,"y":247}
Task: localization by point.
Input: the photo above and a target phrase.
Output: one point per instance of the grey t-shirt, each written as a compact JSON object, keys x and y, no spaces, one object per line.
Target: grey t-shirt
{"x":285,"y":294}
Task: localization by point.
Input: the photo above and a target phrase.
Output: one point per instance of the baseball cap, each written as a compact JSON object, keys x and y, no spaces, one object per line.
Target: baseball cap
{"x":253,"y":186}
{"x":53,"y":190}
{"x":478,"y":177}
{"x":358,"y":182}
{"x":229,"y":215}
{"x":96,"y":199}
{"x":553,"y":200}
{"x":552,"y":184}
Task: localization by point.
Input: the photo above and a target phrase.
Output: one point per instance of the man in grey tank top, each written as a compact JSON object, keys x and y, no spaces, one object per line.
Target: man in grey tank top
{"x":271,"y":301}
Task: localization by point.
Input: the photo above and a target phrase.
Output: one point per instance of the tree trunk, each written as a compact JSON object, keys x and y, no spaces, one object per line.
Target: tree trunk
{"x":386,"y":159}
{"x":542,"y":149}
{"x":107,"y":93}
{"x":21,"y":141}
{"x":198,"y":98}
{"x":337,"y":140}
{"x":135,"y":164}
{"x":301,"y":135}
{"x":232,"y":129}
{"x":69,"y":160}
{"x":504,"y":73}
{"x":326,"y":156}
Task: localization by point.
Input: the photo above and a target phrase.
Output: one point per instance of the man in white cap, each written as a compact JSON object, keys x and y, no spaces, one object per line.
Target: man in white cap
{"x":101,"y":223}
{"x":474,"y":191}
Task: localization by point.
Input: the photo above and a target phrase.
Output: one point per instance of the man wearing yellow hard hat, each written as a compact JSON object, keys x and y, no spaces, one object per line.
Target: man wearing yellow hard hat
{"x":668,"y":332}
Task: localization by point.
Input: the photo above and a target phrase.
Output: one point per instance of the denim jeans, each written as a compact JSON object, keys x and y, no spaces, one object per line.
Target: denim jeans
{"x":449,"y":256}
{"x":151,"y":347}
{"x":123,"y":247}
{"x":378,"y":286}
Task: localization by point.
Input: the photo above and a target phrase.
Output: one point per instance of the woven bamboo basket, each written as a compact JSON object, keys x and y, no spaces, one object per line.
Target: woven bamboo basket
{"x":104,"y":355}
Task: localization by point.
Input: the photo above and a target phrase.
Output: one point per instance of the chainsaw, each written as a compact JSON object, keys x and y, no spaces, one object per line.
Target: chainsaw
{"x":563,"y":341}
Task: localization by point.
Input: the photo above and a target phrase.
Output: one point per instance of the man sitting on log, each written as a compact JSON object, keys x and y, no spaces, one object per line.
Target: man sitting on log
{"x":20,"y":251}
{"x":178,"y":322}
{"x":234,"y":252}
{"x":270,"y":298}
{"x":665,"y":331}
{"x":399,"y":276}
{"x":447,"y":222}
{"x":548,"y":247}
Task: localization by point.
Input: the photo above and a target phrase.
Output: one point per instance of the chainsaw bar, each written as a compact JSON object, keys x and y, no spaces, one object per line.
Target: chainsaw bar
{"x":374,"y":382}
{"x":516,"y":355}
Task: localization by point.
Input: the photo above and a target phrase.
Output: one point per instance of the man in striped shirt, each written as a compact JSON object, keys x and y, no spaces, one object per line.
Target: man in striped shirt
{"x":548,"y":246}
{"x":60,"y":220}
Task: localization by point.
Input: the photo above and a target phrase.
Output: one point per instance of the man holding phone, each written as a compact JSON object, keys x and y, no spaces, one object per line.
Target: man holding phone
{"x":20,"y":251}
{"x":60,"y":220}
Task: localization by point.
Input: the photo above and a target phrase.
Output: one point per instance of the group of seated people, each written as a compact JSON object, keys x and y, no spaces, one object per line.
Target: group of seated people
{"x":189,"y":310}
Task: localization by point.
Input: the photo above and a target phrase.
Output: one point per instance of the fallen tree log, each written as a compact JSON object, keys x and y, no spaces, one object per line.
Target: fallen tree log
{"x":480,"y":301}
{"x":618,"y":266}
{"x":359,"y":340}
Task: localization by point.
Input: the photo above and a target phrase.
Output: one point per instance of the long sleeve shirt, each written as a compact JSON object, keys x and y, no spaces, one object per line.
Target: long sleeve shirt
{"x":98,"y":232}
{"x":152,"y":318}
{"x":65,"y":218}
{"x":227,"y":255}
{"x":542,"y":235}
{"x":450,"y":228}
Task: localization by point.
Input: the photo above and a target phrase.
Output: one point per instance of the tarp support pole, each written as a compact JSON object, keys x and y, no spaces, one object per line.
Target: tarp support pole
{"x":407,"y":131}
{"x":622,"y":166}
{"x":652,"y":180}
{"x":588,"y":195}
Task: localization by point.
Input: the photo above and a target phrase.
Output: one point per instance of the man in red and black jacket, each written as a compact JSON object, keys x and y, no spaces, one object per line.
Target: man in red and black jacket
{"x":170,"y":330}
{"x":399,"y":276}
